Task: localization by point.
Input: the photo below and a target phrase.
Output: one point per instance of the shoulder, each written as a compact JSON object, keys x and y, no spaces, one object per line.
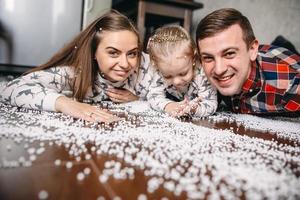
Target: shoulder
{"x":199,"y":72}
{"x":270,"y":56}
{"x":277,"y":53}
{"x":145,"y":60}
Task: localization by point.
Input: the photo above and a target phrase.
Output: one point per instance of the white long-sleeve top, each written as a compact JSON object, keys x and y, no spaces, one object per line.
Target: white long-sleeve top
{"x":199,"y":87}
{"x":40,"y":89}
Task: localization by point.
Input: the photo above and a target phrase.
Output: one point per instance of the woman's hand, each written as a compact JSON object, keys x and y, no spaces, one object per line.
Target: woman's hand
{"x":120,"y":95}
{"x":83,"y":111}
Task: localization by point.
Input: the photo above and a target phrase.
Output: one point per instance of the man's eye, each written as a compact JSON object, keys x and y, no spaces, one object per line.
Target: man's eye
{"x":229,"y":54}
{"x":207,"y":59}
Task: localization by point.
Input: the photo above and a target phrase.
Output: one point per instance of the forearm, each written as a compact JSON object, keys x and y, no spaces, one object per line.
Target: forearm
{"x":38,"y":90}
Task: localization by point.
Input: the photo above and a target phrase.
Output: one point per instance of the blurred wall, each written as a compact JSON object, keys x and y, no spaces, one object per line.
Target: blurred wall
{"x":269,"y":18}
{"x":94,"y":9}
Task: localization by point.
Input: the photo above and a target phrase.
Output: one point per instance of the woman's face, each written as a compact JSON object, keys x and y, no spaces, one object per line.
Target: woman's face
{"x":117,"y":54}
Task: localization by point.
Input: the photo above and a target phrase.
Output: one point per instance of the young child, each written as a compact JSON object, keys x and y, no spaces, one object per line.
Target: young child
{"x":101,"y":63}
{"x":173,"y":53}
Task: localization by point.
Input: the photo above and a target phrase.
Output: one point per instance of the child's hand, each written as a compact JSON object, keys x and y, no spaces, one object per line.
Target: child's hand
{"x":185,"y":107}
{"x":120,"y":95}
{"x":175,"y":109}
{"x":191,"y":106}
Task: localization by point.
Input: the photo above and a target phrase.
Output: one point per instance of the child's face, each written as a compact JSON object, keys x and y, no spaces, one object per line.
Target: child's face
{"x":117,"y":54}
{"x":177,"y":70}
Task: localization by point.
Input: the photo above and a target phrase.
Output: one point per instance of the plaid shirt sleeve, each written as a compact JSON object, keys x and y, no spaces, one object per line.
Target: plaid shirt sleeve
{"x":273,"y":85}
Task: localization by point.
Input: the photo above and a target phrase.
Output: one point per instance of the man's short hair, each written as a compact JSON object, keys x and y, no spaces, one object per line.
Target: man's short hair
{"x":221,"y":20}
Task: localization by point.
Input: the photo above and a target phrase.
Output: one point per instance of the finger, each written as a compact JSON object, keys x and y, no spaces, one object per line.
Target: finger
{"x":198,"y":99}
{"x":116,"y":96}
{"x":110,"y":119}
{"x":118,"y":100}
{"x":87,"y":118}
{"x":101,"y":113}
{"x":116,"y":91}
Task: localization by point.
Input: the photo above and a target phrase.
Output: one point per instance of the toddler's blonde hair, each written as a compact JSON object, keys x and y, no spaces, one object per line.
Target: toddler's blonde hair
{"x":167,"y":39}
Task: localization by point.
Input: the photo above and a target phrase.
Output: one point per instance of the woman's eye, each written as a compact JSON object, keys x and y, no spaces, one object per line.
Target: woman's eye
{"x":113,"y":53}
{"x":133,"y":54}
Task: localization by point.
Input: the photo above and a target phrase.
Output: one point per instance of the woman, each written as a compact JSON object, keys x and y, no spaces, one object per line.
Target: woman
{"x":101,"y":63}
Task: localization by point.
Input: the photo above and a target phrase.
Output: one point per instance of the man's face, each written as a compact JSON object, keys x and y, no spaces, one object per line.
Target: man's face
{"x":227,"y":60}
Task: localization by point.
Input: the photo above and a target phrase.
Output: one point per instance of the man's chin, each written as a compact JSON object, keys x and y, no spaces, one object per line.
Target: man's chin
{"x":228,"y":91}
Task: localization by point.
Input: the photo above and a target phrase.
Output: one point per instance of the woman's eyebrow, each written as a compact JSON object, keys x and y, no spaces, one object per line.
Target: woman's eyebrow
{"x":112,"y":48}
{"x":134,"y":49}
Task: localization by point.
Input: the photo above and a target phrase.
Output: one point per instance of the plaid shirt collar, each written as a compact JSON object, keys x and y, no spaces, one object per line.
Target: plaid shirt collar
{"x":253,"y":81}
{"x":251,"y":86}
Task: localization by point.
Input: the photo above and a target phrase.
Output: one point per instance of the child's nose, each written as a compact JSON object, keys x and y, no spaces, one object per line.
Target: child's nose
{"x":177,"y":81}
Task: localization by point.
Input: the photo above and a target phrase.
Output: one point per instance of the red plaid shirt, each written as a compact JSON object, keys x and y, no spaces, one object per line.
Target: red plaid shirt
{"x":273,"y":85}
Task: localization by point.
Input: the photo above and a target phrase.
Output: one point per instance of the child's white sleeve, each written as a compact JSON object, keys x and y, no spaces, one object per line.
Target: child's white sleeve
{"x":38,"y":90}
{"x":156,"y":96}
{"x":209,"y":103}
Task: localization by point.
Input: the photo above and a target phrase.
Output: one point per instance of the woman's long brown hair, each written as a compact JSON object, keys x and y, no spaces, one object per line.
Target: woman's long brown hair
{"x":80,"y":52}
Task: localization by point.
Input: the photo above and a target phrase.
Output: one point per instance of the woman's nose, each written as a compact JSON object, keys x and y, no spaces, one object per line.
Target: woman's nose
{"x":123,"y":62}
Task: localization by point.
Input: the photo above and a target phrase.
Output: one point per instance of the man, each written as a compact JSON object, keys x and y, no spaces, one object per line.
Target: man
{"x":251,"y":78}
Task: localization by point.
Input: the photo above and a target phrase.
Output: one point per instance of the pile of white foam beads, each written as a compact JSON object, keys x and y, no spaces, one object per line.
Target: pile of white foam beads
{"x":176,"y":156}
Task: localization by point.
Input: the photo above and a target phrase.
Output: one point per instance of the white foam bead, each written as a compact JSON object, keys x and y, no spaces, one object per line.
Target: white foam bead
{"x":32,"y":157}
{"x":78,"y":158}
{"x":69,"y":165}
{"x":31,"y":150}
{"x":169,"y":185}
{"x":21,"y":159}
{"x":80,"y":176}
{"x":87,"y":171}
{"x":142,"y":197}
{"x":103,"y":178}
{"x":40,"y":150}
{"x":88,"y":156}
{"x":8,"y":147}
{"x":57,"y":162}
{"x":43,"y":194}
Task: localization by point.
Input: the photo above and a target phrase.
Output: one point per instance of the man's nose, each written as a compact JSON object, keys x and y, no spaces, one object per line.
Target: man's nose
{"x":220,"y":67}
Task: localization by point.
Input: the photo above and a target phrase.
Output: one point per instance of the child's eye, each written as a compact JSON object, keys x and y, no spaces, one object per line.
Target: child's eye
{"x":229,"y":54}
{"x":183,"y":74}
{"x":167,"y":77}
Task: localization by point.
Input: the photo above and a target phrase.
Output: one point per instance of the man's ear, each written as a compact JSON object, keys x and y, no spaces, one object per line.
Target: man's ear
{"x":253,"y":50}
